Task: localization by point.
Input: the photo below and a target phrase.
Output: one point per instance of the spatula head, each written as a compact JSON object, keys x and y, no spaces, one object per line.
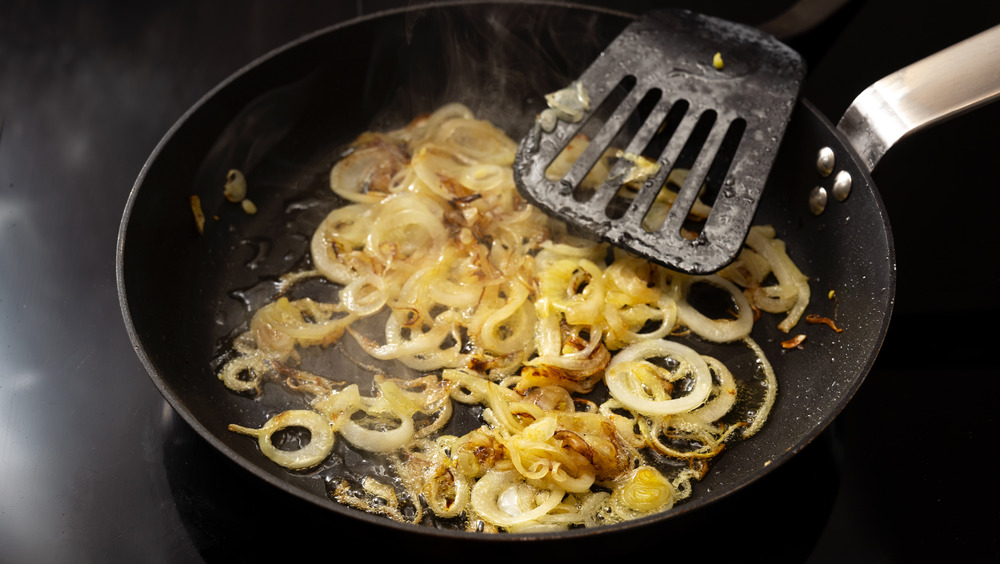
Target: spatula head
{"x":678,"y":100}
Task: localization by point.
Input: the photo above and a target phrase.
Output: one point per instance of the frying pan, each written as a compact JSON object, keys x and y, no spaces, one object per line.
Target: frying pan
{"x":282,"y":119}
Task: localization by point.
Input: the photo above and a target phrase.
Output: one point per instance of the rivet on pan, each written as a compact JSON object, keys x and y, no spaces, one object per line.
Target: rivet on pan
{"x":817,"y":200}
{"x":842,"y":185}
{"x":825,"y":161}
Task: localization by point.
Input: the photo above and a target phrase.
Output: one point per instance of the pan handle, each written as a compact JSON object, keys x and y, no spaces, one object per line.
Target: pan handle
{"x":952,"y":81}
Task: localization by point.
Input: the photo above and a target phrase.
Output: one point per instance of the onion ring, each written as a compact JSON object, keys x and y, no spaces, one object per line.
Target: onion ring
{"x":624,"y":387}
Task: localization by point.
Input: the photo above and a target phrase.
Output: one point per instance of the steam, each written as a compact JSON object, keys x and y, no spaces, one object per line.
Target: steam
{"x":497,"y":59}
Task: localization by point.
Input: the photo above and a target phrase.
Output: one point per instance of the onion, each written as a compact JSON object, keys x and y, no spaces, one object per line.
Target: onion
{"x":717,"y":330}
{"x":645,"y":490}
{"x":232,"y":374}
{"x":771,"y":381}
{"x":486,"y":177}
{"x":406,"y":227}
{"x":364,"y":175}
{"x":725,"y":396}
{"x":377,"y":441}
{"x":792,"y":293}
{"x":575,"y":287}
{"x":343,"y":231}
{"x":509,"y":328}
{"x":320,"y":445}
{"x":504,"y":500}
{"x":364,"y":296}
{"x":501,"y":307}
{"x":624,"y":386}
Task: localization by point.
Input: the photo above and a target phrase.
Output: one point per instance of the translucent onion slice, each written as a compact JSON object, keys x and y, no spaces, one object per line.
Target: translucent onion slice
{"x":362,"y":176}
{"x":717,"y":330}
{"x":339,"y":405}
{"x":509,"y":328}
{"x":725,"y":395}
{"x":575,"y":287}
{"x":364,"y":296}
{"x":772,"y":389}
{"x":625,"y":388}
{"x":505,"y":500}
{"x":343,"y":231}
{"x":429,"y":126}
{"x":373,"y":440}
{"x":449,"y":506}
{"x":478,"y":140}
{"x":486,"y":177}
{"x":405,"y":227}
{"x":792,"y":284}
{"x":321,"y":437}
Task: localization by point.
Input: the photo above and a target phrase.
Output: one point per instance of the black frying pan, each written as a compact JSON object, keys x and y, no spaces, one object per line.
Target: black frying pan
{"x":281,"y":120}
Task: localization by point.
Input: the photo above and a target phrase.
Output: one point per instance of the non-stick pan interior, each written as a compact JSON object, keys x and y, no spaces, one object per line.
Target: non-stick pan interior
{"x":282,"y":120}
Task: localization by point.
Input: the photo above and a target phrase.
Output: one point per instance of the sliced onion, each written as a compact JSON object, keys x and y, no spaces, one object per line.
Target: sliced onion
{"x":233,"y":371}
{"x":377,"y":441}
{"x":509,"y":328}
{"x":717,"y":330}
{"x":343,"y":231}
{"x":364,"y":296}
{"x":625,"y":388}
{"x":645,"y":490}
{"x":725,"y":396}
{"x":321,"y":437}
{"x":354,"y":175}
{"x":770,"y":395}
{"x":504,"y":500}
{"x":486,"y":177}
{"x":793,"y":286}
{"x":583,"y":307}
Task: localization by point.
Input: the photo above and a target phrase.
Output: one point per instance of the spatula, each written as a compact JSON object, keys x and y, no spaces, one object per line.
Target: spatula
{"x":691,"y":98}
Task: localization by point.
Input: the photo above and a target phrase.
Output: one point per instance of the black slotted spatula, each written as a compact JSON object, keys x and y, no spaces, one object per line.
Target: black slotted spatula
{"x":689,"y":93}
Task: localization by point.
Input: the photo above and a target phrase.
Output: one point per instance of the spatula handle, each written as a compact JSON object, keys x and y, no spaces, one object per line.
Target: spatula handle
{"x":952,"y":81}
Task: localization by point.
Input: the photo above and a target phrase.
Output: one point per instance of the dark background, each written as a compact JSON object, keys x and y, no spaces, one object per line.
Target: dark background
{"x":96,"y":467}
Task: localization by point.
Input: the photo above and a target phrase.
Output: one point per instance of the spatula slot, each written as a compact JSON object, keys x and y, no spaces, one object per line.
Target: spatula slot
{"x":572,"y":153}
{"x":723,"y":161}
{"x":614,"y":158}
{"x":657,"y":209}
{"x":666,"y":129}
{"x":681,"y":147}
{"x":649,"y":142}
{"x":713,"y":147}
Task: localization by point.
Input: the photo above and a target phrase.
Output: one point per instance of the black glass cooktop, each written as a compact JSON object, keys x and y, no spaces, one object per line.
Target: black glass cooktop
{"x":96,"y":467}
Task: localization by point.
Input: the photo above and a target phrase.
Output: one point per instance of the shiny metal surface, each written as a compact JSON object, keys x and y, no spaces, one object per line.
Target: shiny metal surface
{"x":817,"y":200}
{"x":825,"y":161}
{"x":94,"y":467}
{"x":842,"y":185}
{"x":954,"y":80}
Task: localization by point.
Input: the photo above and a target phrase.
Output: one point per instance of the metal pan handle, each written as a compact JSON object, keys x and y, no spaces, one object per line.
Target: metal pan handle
{"x":952,"y":81}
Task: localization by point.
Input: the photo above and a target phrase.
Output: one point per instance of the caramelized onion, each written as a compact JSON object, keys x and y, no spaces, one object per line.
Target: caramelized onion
{"x":439,"y":265}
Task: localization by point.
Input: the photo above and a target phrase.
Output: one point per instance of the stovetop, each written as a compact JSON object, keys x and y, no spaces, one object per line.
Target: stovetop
{"x":96,"y":467}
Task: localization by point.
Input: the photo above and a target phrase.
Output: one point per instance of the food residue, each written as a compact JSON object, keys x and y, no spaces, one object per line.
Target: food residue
{"x":199,"y":216}
{"x":236,"y":186}
{"x":819,"y":319}
{"x":793,"y":342}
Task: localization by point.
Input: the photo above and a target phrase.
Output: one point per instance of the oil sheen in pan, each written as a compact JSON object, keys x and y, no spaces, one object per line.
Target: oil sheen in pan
{"x":266,"y":257}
